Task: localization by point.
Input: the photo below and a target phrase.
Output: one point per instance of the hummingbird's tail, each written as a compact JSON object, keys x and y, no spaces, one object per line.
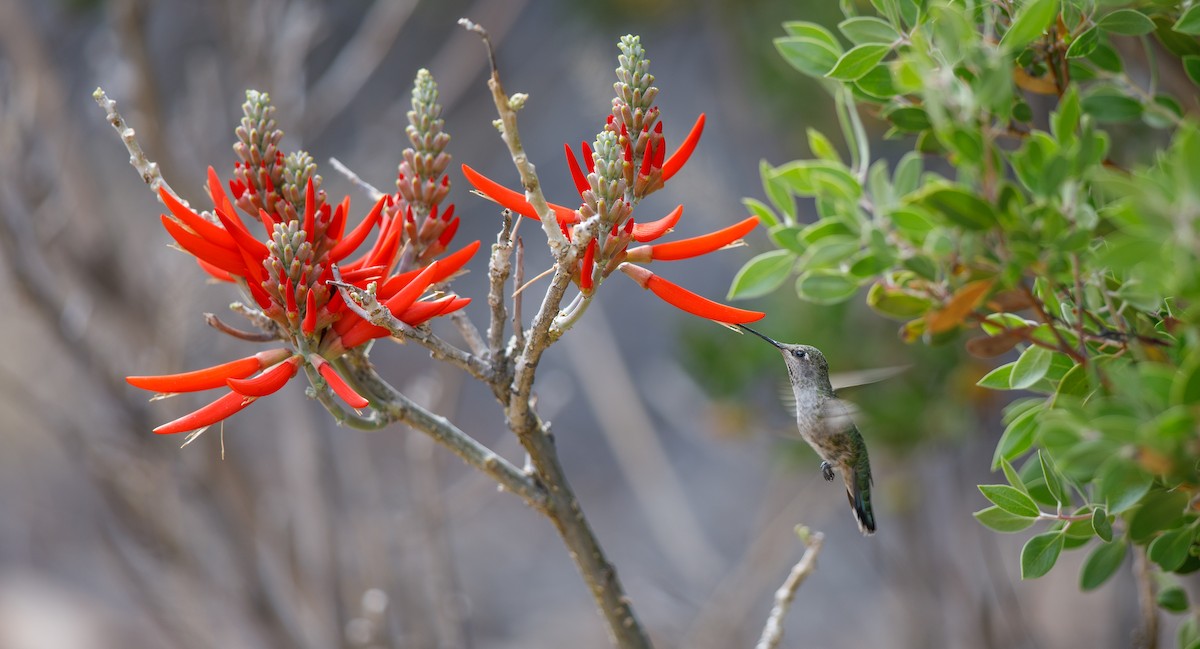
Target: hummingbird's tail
{"x":858,"y":490}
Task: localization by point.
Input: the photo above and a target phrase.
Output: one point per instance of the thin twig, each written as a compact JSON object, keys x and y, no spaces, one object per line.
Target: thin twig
{"x":499,"y":268}
{"x":250,"y":336}
{"x":518,"y":279}
{"x":147,"y":169}
{"x":356,"y":180}
{"x":772,"y":632}
{"x":507,"y":108}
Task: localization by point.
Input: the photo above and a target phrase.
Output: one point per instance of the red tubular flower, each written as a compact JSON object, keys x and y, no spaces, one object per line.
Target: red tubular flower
{"x":686,"y":300}
{"x":589,"y":267}
{"x":211,"y":377}
{"x":220,"y":409}
{"x":269,"y":382}
{"x":512,"y":200}
{"x":702,"y":245}
{"x":337,"y":383}
{"x":681,"y":155}
{"x":643,"y":232}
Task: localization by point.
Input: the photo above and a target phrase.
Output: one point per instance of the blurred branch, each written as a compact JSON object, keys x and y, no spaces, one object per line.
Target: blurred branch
{"x":147,"y":169}
{"x":772,"y":633}
{"x":1146,"y":636}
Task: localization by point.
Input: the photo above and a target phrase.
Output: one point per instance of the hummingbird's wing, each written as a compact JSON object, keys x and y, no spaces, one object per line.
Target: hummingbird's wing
{"x":838,"y":414}
{"x":864,"y":377}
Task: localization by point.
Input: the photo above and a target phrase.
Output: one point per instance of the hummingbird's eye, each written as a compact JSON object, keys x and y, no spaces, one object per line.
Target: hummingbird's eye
{"x":801,"y":354}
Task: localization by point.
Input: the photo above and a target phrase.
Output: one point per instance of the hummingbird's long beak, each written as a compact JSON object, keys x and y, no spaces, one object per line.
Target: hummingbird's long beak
{"x":770,"y":340}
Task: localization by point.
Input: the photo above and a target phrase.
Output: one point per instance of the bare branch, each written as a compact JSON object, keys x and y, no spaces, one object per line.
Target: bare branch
{"x":772,"y":632}
{"x":499,"y":269}
{"x":507,"y":107}
{"x":146,"y":169}
{"x":355,"y":179}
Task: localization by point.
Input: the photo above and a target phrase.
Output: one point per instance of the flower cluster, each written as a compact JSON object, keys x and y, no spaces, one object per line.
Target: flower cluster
{"x":287,"y":275}
{"x":627,"y":162}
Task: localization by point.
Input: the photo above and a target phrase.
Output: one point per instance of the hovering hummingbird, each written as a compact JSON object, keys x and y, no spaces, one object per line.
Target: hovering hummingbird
{"x":827,"y":424}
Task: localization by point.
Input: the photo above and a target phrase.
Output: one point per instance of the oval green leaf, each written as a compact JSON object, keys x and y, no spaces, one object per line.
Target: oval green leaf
{"x":1031,"y":21}
{"x":868,"y":29}
{"x":1010,"y":499}
{"x":998,"y":520}
{"x":1101,"y":564}
{"x":1040,"y":554}
{"x":858,"y":61}
{"x":1030,"y":367}
{"x":1127,"y":22}
{"x":825,"y":287}
{"x":762,"y":274}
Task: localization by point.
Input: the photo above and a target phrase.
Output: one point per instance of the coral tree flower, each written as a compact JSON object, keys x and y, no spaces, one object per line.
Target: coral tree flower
{"x":287,"y":274}
{"x":627,"y":162}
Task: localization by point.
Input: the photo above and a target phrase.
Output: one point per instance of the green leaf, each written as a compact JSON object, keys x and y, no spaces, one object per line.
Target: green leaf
{"x":878,"y":83}
{"x":808,"y":55}
{"x":896,"y":302}
{"x":958,"y":206}
{"x":1160,"y":510}
{"x":858,"y":61}
{"x":908,"y":174}
{"x":997,"y":379}
{"x":1173,"y":598}
{"x":1010,"y":499}
{"x":804,"y":29}
{"x":1030,"y":367}
{"x":999,"y":520}
{"x":821,"y":147}
{"x":1122,"y":484}
{"x":787,"y":237}
{"x":1102,"y":564}
{"x":867,"y":29}
{"x":1170,"y":549}
{"x":1111,"y":105}
{"x":1031,"y":21}
{"x":1101,"y":525}
{"x":1189,"y":22}
{"x":825,"y":287}
{"x":762,"y":211}
{"x":1084,"y":44}
{"x":1040,"y":553}
{"x":1053,"y":480}
{"x":1011,"y":475}
{"x":1191,"y":67}
{"x":776,"y":192}
{"x":908,"y":118}
{"x":1127,"y":22}
{"x":762,"y":274}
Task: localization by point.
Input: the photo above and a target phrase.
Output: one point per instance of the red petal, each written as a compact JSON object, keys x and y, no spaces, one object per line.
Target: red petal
{"x":425,"y":310}
{"x":704,"y":244}
{"x":217,"y":273}
{"x":337,"y":383}
{"x":201,"y":226}
{"x":309,"y":324}
{"x":588,"y":160}
{"x":358,"y":234}
{"x":643,"y":232}
{"x":310,"y":209}
{"x":686,"y":300}
{"x":226,"y":259}
{"x":217,"y":193}
{"x":209,"y":377}
{"x":677,"y":159}
{"x":512,"y":200}
{"x":589,"y":265}
{"x":268,"y":382}
{"x":581,"y":183}
{"x":208,"y":415}
{"x":448,"y":234}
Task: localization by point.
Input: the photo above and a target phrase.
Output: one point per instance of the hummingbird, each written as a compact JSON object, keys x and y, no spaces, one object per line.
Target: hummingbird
{"x":827,"y":424}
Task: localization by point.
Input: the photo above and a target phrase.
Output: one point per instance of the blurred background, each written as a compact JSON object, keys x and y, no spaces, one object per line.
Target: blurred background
{"x":286,"y":531}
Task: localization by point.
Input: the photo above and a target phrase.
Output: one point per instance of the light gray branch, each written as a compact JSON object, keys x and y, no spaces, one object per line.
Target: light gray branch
{"x":772,"y":632}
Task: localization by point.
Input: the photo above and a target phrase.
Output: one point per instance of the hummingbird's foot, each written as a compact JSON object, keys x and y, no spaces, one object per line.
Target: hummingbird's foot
{"x":827,"y":471}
